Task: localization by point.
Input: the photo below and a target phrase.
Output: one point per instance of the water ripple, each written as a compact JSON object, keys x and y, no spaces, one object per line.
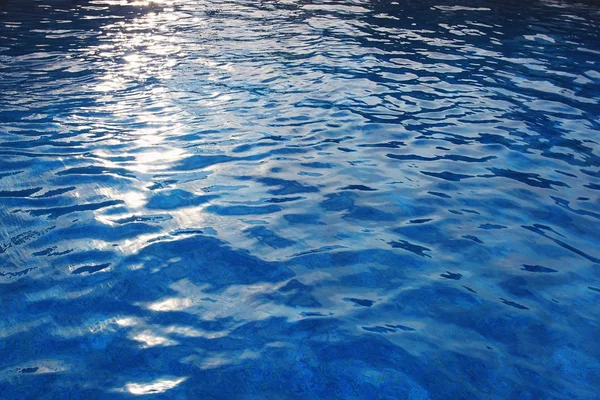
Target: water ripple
{"x":277,"y":199}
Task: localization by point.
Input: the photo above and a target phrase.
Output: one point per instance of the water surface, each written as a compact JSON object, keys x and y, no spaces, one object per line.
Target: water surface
{"x":299,"y":199}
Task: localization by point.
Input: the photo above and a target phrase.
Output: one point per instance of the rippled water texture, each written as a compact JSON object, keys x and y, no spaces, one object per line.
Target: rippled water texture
{"x":299,"y":199}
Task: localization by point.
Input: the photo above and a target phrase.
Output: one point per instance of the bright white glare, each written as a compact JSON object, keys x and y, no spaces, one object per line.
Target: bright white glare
{"x":134,"y":199}
{"x":152,"y":161}
{"x":128,"y":321}
{"x":149,"y":339}
{"x":131,"y":2}
{"x":159,"y":386}
{"x":174,"y":304}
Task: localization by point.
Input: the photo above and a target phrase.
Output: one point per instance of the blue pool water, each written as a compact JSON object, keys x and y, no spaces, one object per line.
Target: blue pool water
{"x":299,"y":199}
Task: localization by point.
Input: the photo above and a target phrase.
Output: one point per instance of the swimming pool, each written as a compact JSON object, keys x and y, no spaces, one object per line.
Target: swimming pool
{"x":299,"y":199}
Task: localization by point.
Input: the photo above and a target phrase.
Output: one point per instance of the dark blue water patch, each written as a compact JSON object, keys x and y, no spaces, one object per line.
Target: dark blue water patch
{"x":216,"y":263}
{"x":540,"y":231}
{"x":27,"y":144}
{"x":358,"y":187}
{"x":389,"y":279}
{"x":268,"y":237}
{"x":313,"y":314}
{"x":156,"y":218}
{"x":464,"y":301}
{"x":97,"y":230}
{"x":295,"y":294}
{"x":426,"y":233}
{"x":93,"y":170}
{"x":401,"y":327}
{"x":514,"y":304}
{"x":277,"y":200}
{"x":249,"y":147}
{"x":56,"y":192}
{"x":90,"y":269}
{"x":446,"y":175}
{"x":293,"y":284}
{"x":413,"y":248}
{"x":176,"y":198}
{"x":528,"y":178}
{"x":420,"y":221}
{"x":537,"y":268}
{"x":192,"y":231}
{"x":5,"y":174}
{"x":218,"y":188}
{"x":339,"y":201}
{"x":11,"y":274}
{"x":330,"y":257}
{"x":295,"y":300}
{"x":566,"y":173}
{"x":517,"y":286}
{"x":360,"y":302}
{"x":286,"y":187}
{"x":439,"y":194}
{"x":318,"y":165}
{"x":83,"y":257}
{"x":389,"y":145}
{"x":366,"y":213}
{"x":473,"y":238}
{"x":56,"y":212}
{"x":378,"y":329}
{"x":565,"y":205}
{"x":388,"y":328}
{"x":308,"y":219}
{"x":19,"y":193}
{"x":489,"y":226}
{"x":51,"y":252}
{"x":23,"y":238}
{"x":111,"y":158}
{"x":595,"y":174}
{"x":29,"y":370}
{"x":318,"y":250}
{"x":243,"y":210}
{"x":470,"y":211}
{"x":162,"y":185}
{"x":455,"y":276}
{"x":452,"y":157}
